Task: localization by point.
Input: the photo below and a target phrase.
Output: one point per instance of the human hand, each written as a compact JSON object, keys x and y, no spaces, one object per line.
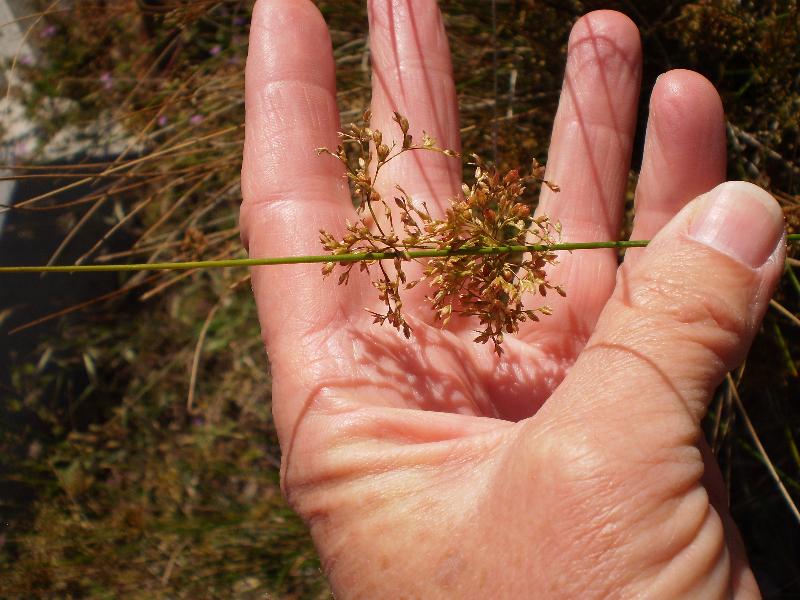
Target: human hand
{"x":574,"y":465}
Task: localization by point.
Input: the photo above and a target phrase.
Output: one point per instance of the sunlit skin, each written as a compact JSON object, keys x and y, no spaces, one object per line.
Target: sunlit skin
{"x":573,"y":466}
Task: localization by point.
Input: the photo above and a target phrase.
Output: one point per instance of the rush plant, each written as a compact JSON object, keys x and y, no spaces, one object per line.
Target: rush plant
{"x":492,"y":214}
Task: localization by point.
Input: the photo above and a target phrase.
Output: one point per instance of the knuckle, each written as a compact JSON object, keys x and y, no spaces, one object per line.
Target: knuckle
{"x":709,"y":309}
{"x":688,"y":305}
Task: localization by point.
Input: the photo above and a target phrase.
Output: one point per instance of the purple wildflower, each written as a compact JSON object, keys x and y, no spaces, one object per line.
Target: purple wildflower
{"x":22,"y":149}
{"x":196,"y":119}
{"x":48,"y":31}
{"x":215,"y":50}
{"x":162,"y":121}
{"x":107,"y":80}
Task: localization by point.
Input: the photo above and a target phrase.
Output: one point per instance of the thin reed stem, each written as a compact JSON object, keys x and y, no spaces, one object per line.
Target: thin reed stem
{"x":331,"y":258}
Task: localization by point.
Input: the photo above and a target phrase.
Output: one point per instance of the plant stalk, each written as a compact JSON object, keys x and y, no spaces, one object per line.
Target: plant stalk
{"x":331,"y":258}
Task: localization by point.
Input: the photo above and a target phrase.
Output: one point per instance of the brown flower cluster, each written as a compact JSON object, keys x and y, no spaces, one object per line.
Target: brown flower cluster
{"x":493,"y":213}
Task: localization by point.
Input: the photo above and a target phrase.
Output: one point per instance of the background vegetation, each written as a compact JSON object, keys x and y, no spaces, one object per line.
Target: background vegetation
{"x":137,"y":454}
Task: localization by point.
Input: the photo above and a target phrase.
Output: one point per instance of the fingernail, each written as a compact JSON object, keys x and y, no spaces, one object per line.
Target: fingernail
{"x":740,"y":220}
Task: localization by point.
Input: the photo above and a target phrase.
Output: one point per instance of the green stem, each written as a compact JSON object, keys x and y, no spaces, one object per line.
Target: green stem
{"x":330,"y":258}
{"x":792,"y":277}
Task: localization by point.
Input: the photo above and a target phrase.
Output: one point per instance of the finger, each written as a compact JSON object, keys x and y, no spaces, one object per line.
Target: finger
{"x":290,"y":193}
{"x":589,"y":157}
{"x":412,"y":74}
{"x":628,"y":413}
{"x":680,"y":318}
{"x":684,"y":151}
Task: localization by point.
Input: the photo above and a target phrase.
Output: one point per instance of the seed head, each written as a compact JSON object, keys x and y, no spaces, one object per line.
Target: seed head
{"x":492,"y":288}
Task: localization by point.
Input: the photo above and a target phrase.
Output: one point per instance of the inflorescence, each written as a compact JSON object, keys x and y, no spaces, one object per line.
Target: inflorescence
{"x":492,"y":213}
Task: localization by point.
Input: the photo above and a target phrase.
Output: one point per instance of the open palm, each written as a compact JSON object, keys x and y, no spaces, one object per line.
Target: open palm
{"x":571,"y":466}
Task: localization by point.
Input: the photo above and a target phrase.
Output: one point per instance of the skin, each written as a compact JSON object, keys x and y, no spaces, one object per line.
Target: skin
{"x":573,"y":466}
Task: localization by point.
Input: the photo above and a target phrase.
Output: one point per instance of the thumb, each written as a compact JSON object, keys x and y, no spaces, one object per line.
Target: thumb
{"x":679,"y":319}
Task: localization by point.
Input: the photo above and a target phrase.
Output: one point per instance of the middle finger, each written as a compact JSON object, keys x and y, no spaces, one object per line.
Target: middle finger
{"x":589,"y":159}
